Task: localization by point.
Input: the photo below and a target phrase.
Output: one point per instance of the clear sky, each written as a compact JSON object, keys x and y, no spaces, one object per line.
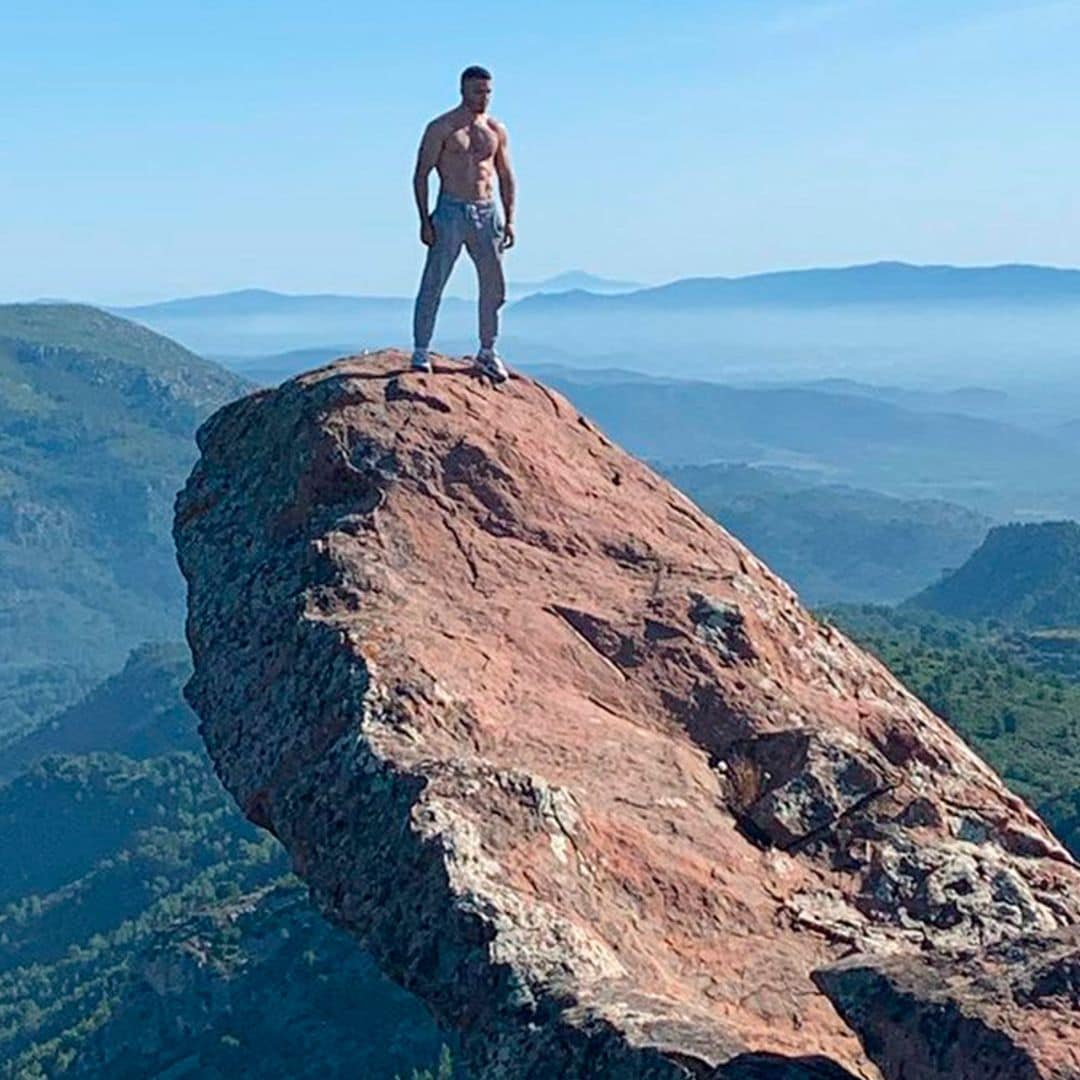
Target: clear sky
{"x":150,"y":150}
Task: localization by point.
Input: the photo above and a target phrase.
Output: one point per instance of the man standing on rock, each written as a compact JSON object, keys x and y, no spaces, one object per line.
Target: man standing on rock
{"x":469,"y":149}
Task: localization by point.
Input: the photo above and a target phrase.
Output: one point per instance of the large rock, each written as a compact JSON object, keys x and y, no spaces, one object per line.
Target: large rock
{"x":572,"y":762}
{"x":971,"y":1018}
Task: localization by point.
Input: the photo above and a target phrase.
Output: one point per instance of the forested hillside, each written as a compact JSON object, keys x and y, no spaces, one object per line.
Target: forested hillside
{"x":97,"y":418}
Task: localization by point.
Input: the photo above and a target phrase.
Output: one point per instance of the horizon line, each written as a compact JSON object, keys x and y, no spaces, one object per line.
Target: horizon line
{"x":264,"y":291}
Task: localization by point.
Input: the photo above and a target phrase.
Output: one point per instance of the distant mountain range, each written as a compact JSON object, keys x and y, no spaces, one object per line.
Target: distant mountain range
{"x":874,"y":283}
{"x":253,"y":302}
{"x":263,"y":302}
{"x":258,"y":321}
{"x":883,"y":322}
{"x":833,"y":542}
{"x":269,"y":370}
{"x":870,"y":283}
{"x":974,"y":400}
{"x":573,"y":279}
{"x":993,"y":467}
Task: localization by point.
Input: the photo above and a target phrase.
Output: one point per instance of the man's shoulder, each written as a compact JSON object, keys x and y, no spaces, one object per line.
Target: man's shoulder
{"x":497,"y":124}
{"x":444,"y":121}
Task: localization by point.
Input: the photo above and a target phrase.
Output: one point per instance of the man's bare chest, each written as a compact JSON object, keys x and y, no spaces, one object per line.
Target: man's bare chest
{"x":475,"y":141}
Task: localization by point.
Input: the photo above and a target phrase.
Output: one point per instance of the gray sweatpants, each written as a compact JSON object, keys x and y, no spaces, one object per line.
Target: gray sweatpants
{"x":479,"y":226}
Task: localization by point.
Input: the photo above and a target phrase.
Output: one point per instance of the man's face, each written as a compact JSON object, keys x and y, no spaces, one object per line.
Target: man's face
{"x":476,"y":93}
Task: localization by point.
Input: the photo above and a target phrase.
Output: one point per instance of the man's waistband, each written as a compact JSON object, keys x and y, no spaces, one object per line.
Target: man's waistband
{"x":453,"y":200}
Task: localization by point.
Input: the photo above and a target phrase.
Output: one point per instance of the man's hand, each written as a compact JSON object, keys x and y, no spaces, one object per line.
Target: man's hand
{"x":427,"y":232}
{"x":507,"y":236}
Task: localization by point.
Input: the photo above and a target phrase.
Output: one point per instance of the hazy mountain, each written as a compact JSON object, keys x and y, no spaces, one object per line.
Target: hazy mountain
{"x":591,"y":376}
{"x":268,"y":302}
{"x":972,"y":400}
{"x":573,"y":279}
{"x":97,"y":422}
{"x":1018,"y":406}
{"x":832,"y":542}
{"x":872,"y":283}
{"x":264,"y":302}
{"x":273,"y":368}
{"x":1027,"y":575}
{"x":254,"y":322}
{"x":995,"y":468}
{"x":886,"y":323}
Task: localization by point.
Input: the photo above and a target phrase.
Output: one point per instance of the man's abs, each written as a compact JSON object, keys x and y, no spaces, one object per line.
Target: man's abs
{"x":466,"y":163}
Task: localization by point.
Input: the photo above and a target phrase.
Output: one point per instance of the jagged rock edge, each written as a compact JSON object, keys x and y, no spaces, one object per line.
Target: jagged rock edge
{"x":581,"y":1041}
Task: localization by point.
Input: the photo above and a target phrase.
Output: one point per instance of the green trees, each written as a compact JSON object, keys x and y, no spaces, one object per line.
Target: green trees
{"x":443,"y":1071}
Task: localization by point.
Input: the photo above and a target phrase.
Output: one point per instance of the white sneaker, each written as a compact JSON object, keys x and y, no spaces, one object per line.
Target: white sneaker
{"x":490,"y":364}
{"x":421,"y":361}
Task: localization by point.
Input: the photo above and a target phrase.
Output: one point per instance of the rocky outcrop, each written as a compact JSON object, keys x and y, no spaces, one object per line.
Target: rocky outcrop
{"x":573,"y":763}
{"x":981,"y":1017}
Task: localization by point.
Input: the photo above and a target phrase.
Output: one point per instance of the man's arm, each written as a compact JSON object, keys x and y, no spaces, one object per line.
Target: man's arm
{"x":426,"y":157}
{"x":507,"y":184}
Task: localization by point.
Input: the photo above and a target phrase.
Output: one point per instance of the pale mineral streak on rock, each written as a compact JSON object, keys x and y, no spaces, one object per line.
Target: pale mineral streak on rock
{"x":573,"y":764}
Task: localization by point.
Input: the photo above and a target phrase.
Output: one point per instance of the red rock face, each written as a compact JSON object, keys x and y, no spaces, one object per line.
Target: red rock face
{"x":577,"y":767}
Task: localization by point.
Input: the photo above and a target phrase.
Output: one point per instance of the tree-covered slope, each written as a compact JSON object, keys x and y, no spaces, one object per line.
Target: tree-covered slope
{"x":1024,"y":574}
{"x":255,"y":986}
{"x":138,"y":712}
{"x":144,"y":923}
{"x":97,"y":422}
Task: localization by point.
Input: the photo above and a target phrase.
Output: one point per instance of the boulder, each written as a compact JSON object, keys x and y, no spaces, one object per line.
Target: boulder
{"x":575,"y":765}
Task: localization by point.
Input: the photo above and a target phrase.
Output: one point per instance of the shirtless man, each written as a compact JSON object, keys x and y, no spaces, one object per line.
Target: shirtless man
{"x":469,"y":149}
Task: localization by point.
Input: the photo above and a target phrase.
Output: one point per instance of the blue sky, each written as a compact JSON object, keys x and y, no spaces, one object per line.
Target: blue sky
{"x":168,"y":149}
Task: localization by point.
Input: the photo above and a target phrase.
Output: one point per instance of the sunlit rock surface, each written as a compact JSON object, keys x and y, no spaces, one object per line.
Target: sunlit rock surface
{"x":577,"y":767}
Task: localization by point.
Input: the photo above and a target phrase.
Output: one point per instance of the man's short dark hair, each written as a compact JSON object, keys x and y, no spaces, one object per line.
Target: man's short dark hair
{"x":475,"y":71}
